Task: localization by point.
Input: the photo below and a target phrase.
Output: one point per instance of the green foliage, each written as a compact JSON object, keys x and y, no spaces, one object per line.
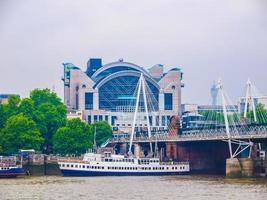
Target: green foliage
{"x":20,"y":132}
{"x":47,"y":110}
{"x":12,"y":107}
{"x":103,"y":132}
{"x":218,"y":117}
{"x":43,"y":107}
{"x":261,"y":114}
{"x":40,"y":96}
{"x":2,"y":116}
{"x":73,"y":139}
{"x":213,"y":116}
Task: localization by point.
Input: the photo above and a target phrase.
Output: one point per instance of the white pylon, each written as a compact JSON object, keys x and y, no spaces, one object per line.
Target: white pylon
{"x":230,"y":140}
{"x":250,"y":101}
{"x":220,"y":89}
{"x":141,"y":85}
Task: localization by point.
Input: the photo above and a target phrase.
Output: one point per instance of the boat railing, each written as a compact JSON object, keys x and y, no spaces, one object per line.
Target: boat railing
{"x":175,"y":163}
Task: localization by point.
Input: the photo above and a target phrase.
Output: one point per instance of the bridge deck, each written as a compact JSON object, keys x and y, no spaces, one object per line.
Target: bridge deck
{"x":259,"y":132}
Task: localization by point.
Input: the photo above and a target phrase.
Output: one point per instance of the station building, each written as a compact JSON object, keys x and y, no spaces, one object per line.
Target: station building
{"x":105,"y":92}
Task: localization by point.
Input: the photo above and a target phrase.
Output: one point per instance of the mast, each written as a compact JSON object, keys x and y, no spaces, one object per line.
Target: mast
{"x":95,"y":147}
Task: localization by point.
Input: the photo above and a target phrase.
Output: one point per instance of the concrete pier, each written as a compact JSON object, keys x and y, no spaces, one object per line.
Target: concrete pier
{"x":239,"y":167}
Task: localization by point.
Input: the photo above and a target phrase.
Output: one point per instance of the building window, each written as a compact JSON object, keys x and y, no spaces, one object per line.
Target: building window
{"x":89,"y":119}
{"x":77,"y":102}
{"x":95,"y":118}
{"x":168,"y":120}
{"x":150,"y":120}
{"x":88,"y":101}
{"x":106,"y":118}
{"x":163,"y":121}
{"x":113,"y":119}
{"x":157,"y":120}
{"x":100,"y":117}
{"x":168,"y":101}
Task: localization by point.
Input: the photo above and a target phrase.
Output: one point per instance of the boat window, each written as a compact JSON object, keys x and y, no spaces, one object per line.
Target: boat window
{"x":71,"y":165}
{"x":167,"y":168}
{"x":76,"y":166}
{"x":87,"y":166}
{"x":103,"y":167}
{"x":67,"y":165}
{"x":63,"y":165}
{"x":172,"y":167}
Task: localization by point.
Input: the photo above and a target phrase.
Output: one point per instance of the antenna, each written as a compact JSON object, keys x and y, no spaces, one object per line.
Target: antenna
{"x":95,"y":147}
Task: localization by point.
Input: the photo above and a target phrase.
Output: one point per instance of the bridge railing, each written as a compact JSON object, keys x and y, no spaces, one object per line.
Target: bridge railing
{"x":237,"y":132}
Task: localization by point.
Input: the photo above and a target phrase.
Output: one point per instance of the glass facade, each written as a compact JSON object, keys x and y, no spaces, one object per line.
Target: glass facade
{"x":168,"y":101}
{"x":117,"y":94}
{"x":88,"y":101}
{"x":112,"y":70}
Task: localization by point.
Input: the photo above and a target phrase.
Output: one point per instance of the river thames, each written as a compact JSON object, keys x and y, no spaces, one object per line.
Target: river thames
{"x":175,"y":187}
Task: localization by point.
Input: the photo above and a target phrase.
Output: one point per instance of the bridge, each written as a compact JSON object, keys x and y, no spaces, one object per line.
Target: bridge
{"x":256,"y":132}
{"x":228,"y":136}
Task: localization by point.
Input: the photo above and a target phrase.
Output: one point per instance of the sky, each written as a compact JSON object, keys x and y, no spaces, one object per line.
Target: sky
{"x":208,"y":39}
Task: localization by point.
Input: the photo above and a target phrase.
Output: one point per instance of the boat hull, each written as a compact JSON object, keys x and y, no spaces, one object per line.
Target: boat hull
{"x":105,"y":173}
{"x":12,"y":173}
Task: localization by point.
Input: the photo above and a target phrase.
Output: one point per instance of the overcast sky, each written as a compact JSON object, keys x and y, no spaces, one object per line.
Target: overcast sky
{"x":208,"y":39}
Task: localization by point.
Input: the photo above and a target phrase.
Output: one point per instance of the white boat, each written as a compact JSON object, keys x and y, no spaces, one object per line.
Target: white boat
{"x":108,"y":164}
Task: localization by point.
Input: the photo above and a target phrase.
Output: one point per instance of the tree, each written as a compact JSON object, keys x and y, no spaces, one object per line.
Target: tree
{"x":20,"y":132}
{"x":11,"y":108}
{"x":261,"y":114}
{"x":103,"y":132}
{"x":2,"y":116}
{"x":72,"y":139}
{"x":49,"y":113}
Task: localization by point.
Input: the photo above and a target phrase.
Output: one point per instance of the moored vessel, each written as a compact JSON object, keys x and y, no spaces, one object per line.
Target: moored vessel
{"x":11,"y":171}
{"x":108,"y":164}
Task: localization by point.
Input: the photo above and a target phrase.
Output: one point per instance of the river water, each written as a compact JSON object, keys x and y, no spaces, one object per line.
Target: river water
{"x":153,"y":188}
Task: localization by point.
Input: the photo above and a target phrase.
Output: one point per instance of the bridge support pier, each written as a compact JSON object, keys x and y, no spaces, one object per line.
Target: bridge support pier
{"x":171,"y":150}
{"x":239,"y":167}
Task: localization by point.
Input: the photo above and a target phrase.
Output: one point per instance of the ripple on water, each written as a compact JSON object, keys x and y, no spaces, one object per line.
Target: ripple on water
{"x":174,"y":187}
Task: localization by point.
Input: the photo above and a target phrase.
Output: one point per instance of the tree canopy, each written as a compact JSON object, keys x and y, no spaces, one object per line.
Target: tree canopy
{"x":103,"y":132}
{"x":261,"y":113}
{"x":20,"y":132}
{"x":40,"y":122}
{"x":74,"y":138}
